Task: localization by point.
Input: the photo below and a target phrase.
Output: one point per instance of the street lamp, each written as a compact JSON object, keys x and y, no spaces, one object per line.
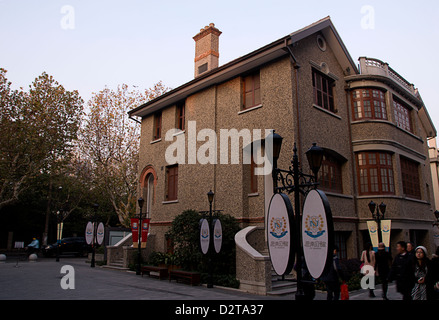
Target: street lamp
{"x":141,"y":202}
{"x":210,"y":196}
{"x":378,"y":215}
{"x":294,"y":180}
{"x":315,"y":158}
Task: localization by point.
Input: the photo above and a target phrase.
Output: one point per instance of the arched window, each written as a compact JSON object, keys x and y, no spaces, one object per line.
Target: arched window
{"x":148,"y":193}
{"x":148,"y":181}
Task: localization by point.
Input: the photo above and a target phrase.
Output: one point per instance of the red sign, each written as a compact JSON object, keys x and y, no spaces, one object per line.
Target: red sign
{"x":145,"y":229}
{"x":135,"y":231}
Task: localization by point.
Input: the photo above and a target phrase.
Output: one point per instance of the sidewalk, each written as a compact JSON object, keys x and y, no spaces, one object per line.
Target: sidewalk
{"x":41,"y":280}
{"x":392,"y":294}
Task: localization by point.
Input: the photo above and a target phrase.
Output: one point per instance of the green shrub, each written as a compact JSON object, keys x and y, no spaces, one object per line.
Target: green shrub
{"x":185,"y":235}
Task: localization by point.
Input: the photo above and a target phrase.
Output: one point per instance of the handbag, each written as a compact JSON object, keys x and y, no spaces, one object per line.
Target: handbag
{"x":344,"y":291}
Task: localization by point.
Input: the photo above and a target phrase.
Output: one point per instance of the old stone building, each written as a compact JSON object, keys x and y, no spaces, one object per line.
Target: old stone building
{"x":370,"y":121}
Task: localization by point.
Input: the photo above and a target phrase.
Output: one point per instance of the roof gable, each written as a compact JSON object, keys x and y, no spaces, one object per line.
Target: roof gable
{"x":250,"y":61}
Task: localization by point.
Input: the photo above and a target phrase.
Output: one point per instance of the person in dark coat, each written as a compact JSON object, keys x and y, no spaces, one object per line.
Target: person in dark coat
{"x":423,"y":270}
{"x":383,"y":261}
{"x":401,"y":271}
{"x":331,"y":278}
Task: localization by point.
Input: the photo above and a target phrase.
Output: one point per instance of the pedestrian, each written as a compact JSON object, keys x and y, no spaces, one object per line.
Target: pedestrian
{"x":382,"y":266}
{"x":308,"y":283}
{"x":332,"y":279}
{"x":423,"y":275}
{"x":33,"y":246}
{"x":368,"y":259}
{"x":401,"y":271}
{"x":410,"y":249}
{"x":435,"y":274}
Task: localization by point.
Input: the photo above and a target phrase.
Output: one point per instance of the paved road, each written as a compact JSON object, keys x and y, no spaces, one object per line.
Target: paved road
{"x":42,"y":280}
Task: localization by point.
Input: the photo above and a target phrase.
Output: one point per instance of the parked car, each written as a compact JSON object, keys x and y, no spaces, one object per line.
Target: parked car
{"x":72,"y":245}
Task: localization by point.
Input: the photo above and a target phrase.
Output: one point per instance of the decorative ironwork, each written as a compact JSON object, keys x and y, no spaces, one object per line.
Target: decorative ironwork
{"x":284,"y":180}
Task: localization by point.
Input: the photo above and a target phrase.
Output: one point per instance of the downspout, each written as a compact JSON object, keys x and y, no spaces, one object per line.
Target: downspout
{"x":354,"y":173}
{"x":131,"y":118}
{"x":296,"y":66}
{"x":215,"y":109}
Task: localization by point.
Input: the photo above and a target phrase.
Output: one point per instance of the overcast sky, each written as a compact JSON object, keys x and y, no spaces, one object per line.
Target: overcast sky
{"x":87,"y":45}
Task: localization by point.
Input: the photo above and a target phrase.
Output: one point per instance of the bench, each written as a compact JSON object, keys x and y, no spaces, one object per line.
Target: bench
{"x":162,"y":272}
{"x":194,"y":278}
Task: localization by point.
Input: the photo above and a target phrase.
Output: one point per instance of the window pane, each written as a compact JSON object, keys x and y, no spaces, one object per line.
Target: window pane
{"x":402,"y":116}
{"x":319,"y":98}
{"x":357,"y":110}
{"x":367,"y":109}
{"x":380,"y":173}
{"x":372,"y":158}
{"x":257,"y":96}
{"x":372,"y":101}
{"x":248,"y":84}
{"x":248,"y":100}
{"x":256,"y":81}
{"x":364,"y":181}
{"x":319,"y":81}
{"x":325,"y":85}
{"x":377,"y":109}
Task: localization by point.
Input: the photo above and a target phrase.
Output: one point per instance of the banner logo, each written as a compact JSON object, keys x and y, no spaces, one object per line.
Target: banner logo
{"x":278,"y":227}
{"x":204,"y":233}
{"x":314,"y":226}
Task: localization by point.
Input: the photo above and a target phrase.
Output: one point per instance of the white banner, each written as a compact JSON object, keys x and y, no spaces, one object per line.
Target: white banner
{"x":89,"y":233}
{"x":317,"y":232}
{"x":217,"y":235}
{"x":100,"y":233}
{"x":386,"y":226}
{"x":373,"y":232}
{"x":204,"y":236}
{"x":280,"y":246}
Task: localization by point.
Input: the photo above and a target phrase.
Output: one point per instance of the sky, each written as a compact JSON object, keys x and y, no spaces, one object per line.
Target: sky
{"x":88,"y":45}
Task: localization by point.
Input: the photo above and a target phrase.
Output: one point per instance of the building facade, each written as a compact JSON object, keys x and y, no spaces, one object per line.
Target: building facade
{"x":370,"y":121}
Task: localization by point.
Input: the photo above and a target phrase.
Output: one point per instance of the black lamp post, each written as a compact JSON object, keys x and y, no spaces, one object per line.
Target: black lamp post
{"x":139,"y":228}
{"x":378,"y":215}
{"x":294,"y":180}
{"x":277,"y":144}
{"x":95,"y":222}
{"x":210,"y":196}
{"x":59,"y":215}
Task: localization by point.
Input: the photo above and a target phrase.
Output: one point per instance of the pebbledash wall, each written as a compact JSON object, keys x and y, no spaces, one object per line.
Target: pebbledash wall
{"x":306,"y":87}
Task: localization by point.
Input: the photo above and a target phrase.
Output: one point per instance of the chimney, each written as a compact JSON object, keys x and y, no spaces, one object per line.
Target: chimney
{"x":206,"y":49}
